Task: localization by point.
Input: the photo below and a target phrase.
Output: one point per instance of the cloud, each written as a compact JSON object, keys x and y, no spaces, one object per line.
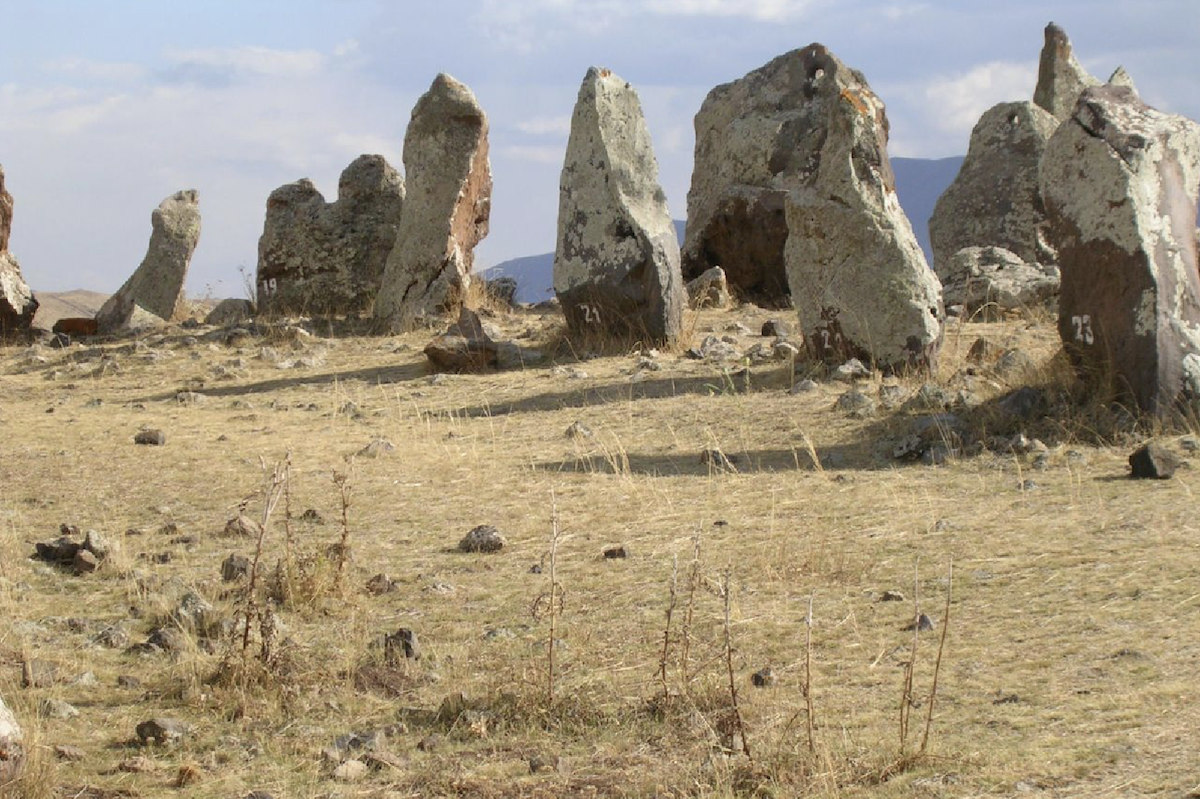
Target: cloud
{"x":219,"y":67}
{"x":546,"y":126}
{"x":955,"y":103}
{"x":534,"y":153}
{"x":760,"y":10}
{"x":103,"y":71}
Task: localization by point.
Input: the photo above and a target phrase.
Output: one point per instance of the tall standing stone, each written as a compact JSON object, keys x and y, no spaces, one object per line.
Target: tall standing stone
{"x":1121,"y":181}
{"x":17,"y":303}
{"x":1061,"y":78}
{"x":858,"y":277}
{"x":446,"y":209}
{"x":616,"y":264}
{"x":319,"y":257}
{"x":12,"y":750}
{"x":995,"y":201}
{"x":154,"y":293}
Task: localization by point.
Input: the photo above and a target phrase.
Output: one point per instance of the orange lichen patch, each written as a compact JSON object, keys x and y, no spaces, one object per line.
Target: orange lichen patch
{"x":855,"y":101}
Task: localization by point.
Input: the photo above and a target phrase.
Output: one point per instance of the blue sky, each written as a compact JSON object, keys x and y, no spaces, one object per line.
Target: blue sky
{"x":106,"y":108}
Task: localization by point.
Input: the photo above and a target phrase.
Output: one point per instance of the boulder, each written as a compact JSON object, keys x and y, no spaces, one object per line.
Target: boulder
{"x":858,"y":277}
{"x":755,"y":138}
{"x":319,"y":257}
{"x":12,"y":752}
{"x":996,"y":280}
{"x":1120,"y":182}
{"x":473,"y":345}
{"x":616,"y":264}
{"x":1061,"y":78}
{"x":154,"y":293}
{"x":710,"y":290}
{"x":17,"y":303}
{"x":994,"y":200}
{"x":446,"y":209}
{"x":230,"y":312}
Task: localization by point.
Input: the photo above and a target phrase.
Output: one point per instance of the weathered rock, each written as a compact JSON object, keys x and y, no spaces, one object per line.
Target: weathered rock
{"x":446,"y":209}
{"x":483,"y":538}
{"x":1120,"y":181}
{"x":401,"y":644}
{"x":1122,"y":78}
{"x":319,"y":257}
{"x":996,"y":280}
{"x":17,"y":303}
{"x":161,"y":730}
{"x":12,"y":751}
{"x":230,"y":312}
{"x":858,"y":277}
{"x":469,"y":345}
{"x":152,"y":438}
{"x":1153,"y":462}
{"x":710,"y":290}
{"x":995,"y":201}
{"x":616,"y":264}
{"x":1061,"y":79}
{"x":154,"y":293}
{"x":234,"y":568}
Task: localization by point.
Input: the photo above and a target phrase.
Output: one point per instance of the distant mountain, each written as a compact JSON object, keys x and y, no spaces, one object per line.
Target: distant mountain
{"x":55,"y":305}
{"x":919,"y":183}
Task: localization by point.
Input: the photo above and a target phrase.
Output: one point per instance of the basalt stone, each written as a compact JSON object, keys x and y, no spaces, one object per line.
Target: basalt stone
{"x":446,"y":209}
{"x":858,"y":277}
{"x":1061,"y":79}
{"x":996,"y":280}
{"x":616,"y":265}
{"x":1120,"y":182}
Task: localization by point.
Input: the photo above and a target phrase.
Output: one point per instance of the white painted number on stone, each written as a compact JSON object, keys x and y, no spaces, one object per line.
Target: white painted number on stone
{"x":268,"y":287}
{"x":1083,"y":329}
{"x":591,"y":314}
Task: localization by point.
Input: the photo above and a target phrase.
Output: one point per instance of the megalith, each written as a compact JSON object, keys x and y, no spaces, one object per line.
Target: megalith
{"x":154,"y":293}
{"x":616,"y":263}
{"x":316,"y":257}
{"x":858,"y":278}
{"x":446,"y":208}
{"x":12,"y":750}
{"x":1061,"y":78}
{"x":994,"y":200}
{"x":1120,"y":181}
{"x":17,"y":303}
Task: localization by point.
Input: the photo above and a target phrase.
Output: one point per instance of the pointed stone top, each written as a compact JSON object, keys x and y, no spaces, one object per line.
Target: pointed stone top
{"x":1122,"y":78}
{"x":450,"y":94}
{"x":1061,"y":78}
{"x":6,"y":212}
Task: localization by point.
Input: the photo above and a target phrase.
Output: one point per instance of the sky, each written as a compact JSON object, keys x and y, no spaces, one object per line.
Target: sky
{"x":108,"y":108}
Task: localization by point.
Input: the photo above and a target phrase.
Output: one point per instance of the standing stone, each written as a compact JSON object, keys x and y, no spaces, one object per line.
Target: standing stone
{"x":996,"y":280}
{"x":1061,"y":78}
{"x":858,"y":277}
{"x":616,"y":264}
{"x":1120,"y":181}
{"x":12,"y":752}
{"x":316,"y":257}
{"x":994,"y":201}
{"x":446,"y":210}
{"x":154,"y":293}
{"x":17,"y":303}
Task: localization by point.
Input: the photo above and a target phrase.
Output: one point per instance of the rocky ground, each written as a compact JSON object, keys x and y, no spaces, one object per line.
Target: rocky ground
{"x":702,"y":504}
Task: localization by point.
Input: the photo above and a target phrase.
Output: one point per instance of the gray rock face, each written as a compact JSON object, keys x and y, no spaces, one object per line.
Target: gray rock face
{"x":1061,"y":78}
{"x":994,"y":201}
{"x":755,"y":139}
{"x":446,"y":210}
{"x":858,"y":278}
{"x":1120,"y":182}
{"x":996,"y":280}
{"x":17,"y":303}
{"x":154,"y":293}
{"x":710,"y":290}
{"x":12,"y":753}
{"x":318,"y":257}
{"x":230,"y":312}
{"x":616,"y":264}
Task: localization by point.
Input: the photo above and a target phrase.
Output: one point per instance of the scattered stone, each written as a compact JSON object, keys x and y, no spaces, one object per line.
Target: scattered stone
{"x":194,"y":612}
{"x":469,"y":345}
{"x":851,"y":370}
{"x":502,"y":290}
{"x":350,"y":771}
{"x":114,"y":636}
{"x":129,"y":682}
{"x":858,"y":277}
{"x":161,"y":730}
{"x":1061,"y":79}
{"x":154,"y":294}
{"x":542,"y":764}
{"x":1028,"y":485}
{"x":12,"y":749}
{"x":616,"y":553}
{"x":922,"y":624}
{"x":805,"y":386}
{"x":483,"y":538}
{"x":57,"y":709}
{"x":891,"y":596}
{"x":242,"y":526}
{"x":312,"y":517}
{"x":1006,"y":699}
{"x":71,"y":754}
{"x":377,"y":448}
{"x":228,"y":313}
{"x":990,"y":281}
{"x":1153,"y":462}
{"x":712,"y":348}
{"x":39,"y":674}
{"x":316,"y":257}
{"x":1120,"y":182}
{"x":763,"y":678}
{"x":85,"y":562}
{"x":381,"y":584}
{"x":401,"y":644}
{"x":1023,"y":403}
{"x":152,"y":438}
{"x":446,"y":210}
{"x":235,"y":567}
{"x":983,"y":351}
{"x":579,"y":430}
{"x":136,"y":765}
{"x":856,"y":404}
{"x":709,"y":290}
{"x":616,"y":263}
{"x":776,"y":327}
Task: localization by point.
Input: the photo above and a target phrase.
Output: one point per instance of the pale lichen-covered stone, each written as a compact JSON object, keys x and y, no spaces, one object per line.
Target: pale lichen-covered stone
{"x":1120,"y":182}
{"x":12,"y":750}
{"x":858,"y":277}
{"x":6,"y":213}
{"x":319,"y":257}
{"x":995,"y":201}
{"x":155,"y":290}
{"x":616,"y":265}
{"x":1061,"y":78}
{"x":992,"y":280}
{"x":17,"y":303}
{"x":1122,"y":78}
{"x":446,"y":210}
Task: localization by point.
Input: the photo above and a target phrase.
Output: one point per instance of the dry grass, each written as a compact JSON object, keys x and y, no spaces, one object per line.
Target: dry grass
{"x":1069,"y":669}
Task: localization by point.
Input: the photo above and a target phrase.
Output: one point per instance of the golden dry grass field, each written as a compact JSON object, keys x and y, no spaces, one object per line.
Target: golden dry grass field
{"x":1070,"y":658}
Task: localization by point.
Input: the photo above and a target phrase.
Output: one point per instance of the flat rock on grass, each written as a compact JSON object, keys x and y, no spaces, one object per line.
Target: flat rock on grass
{"x":1153,"y":462}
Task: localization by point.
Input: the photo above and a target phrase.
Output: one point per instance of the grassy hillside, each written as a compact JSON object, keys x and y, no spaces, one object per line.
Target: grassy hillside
{"x":1068,"y":666}
{"x":55,"y":305}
